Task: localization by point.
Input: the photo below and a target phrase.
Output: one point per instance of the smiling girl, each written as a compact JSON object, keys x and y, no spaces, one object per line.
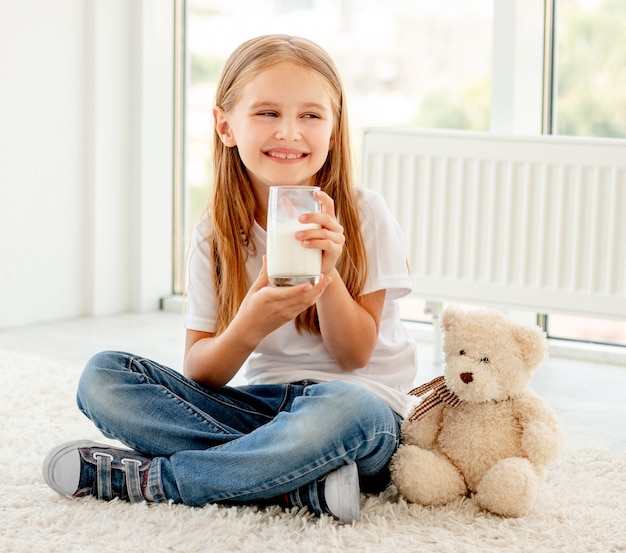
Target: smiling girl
{"x":327,"y":365}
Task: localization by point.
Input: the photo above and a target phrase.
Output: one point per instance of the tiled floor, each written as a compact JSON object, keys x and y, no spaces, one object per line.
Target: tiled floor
{"x":589,"y":398}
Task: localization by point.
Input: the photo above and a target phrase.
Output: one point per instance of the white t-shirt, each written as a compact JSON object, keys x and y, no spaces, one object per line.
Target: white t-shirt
{"x":285,"y":355}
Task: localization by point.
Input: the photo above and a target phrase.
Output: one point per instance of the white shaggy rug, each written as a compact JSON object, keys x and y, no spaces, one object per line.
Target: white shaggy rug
{"x":582,"y":506}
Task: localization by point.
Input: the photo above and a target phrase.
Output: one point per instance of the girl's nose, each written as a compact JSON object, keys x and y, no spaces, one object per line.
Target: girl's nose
{"x":288,"y":130}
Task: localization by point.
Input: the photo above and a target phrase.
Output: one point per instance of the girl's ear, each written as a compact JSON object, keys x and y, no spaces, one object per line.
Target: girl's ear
{"x":223,"y":128}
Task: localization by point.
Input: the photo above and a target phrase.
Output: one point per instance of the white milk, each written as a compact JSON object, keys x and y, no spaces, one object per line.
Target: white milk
{"x":288,"y":261}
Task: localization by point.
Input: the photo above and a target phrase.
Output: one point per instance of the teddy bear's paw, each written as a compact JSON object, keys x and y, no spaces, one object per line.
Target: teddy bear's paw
{"x":425,"y":477}
{"x":509,"y":488}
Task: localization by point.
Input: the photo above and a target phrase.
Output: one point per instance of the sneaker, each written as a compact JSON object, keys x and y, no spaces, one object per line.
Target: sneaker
{"x":342,"y":493}
{"x":82,"y":468}
{"x":337,"y":494}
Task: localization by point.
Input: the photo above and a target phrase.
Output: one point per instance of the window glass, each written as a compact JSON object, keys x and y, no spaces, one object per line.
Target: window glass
{"x":591,"y":68}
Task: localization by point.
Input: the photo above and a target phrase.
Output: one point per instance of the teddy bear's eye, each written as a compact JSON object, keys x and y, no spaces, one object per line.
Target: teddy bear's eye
{"x":462,"y":352}
{"x":485,"y":360}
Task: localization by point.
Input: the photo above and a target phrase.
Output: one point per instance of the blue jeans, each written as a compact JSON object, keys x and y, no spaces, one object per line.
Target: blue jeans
{"x":248,"y":444}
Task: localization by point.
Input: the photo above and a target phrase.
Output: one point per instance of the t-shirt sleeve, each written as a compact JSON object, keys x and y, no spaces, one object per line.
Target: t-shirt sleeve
{"x":384,"y":242}
{"x":201,"y":302}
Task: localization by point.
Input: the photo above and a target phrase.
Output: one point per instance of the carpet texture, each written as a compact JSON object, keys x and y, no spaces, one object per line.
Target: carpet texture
{"x":581,"y":508}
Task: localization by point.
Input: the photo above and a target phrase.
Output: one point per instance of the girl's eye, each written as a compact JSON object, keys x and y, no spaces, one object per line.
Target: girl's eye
{"x":311,"y":116}
{"x":485,"y":360}
{"x":268,"y":114}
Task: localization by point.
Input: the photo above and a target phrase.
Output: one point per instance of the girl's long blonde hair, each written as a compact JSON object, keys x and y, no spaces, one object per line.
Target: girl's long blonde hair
{"x":232,"y":209}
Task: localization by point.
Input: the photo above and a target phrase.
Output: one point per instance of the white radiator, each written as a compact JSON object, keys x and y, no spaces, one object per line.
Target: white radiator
{"x":529,"y":223}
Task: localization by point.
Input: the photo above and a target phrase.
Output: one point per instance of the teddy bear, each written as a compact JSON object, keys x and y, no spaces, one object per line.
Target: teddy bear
{"x":479,"y":431}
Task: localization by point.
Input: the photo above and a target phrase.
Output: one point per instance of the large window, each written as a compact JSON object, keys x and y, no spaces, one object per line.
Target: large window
{"x":415,"y":62}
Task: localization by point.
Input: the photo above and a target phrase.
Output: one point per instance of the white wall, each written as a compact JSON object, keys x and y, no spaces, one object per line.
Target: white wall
{"x":85,"y":157}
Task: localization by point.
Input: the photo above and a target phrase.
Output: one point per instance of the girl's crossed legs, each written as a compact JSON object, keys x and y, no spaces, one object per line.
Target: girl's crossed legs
{"x":238,"y":445}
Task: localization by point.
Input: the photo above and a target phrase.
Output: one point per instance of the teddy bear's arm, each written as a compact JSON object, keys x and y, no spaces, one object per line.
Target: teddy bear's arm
{"x":423,"y":432}
{"x":542,"y":435}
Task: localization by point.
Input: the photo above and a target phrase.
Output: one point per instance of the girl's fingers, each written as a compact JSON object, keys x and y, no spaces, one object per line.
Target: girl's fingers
{"x":328,"y":204}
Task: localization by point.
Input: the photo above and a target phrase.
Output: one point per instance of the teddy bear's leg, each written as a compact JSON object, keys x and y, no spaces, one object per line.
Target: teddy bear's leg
{"x":509,"y":488}
{"x":425,"y":477}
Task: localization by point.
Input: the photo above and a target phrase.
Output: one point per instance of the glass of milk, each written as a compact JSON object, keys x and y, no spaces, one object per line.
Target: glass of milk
{"x":288,"y":262}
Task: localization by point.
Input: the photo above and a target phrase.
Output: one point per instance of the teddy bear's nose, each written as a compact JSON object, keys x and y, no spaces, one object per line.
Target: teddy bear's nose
{"x":467,"y":377}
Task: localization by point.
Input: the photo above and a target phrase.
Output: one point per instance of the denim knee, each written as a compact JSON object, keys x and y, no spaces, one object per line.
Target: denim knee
{"x":349,"y":409}
{"x":356,"y":402}
{"x":100,"y":374}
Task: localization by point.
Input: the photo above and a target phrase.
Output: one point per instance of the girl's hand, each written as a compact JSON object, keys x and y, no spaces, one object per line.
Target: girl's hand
{"x":329,"y":237}
{"x":213,"y":360}
{"x":265,"y":308}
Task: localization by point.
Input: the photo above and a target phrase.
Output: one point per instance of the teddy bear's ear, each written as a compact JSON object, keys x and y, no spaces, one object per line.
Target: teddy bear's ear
{"x":450,"y":316}
{"x":533,"y":344}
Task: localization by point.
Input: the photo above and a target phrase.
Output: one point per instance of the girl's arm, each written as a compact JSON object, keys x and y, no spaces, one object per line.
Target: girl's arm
{"x":349,"y":327}
{"x":213,"y":360}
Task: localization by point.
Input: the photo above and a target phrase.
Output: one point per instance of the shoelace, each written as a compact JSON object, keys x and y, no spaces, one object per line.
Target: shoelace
{"x":131,"y":477}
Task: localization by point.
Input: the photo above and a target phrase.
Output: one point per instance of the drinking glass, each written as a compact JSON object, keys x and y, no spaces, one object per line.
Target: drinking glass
{"x":288,"y":262}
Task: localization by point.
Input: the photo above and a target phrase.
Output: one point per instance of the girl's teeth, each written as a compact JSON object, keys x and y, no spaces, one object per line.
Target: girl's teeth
{"x":284,"y":156}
